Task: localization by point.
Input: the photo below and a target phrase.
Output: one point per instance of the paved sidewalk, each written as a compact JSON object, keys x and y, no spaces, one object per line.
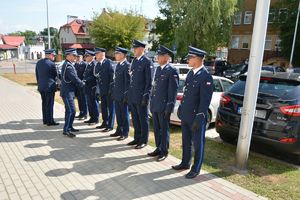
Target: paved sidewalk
{"x":38,"y":162}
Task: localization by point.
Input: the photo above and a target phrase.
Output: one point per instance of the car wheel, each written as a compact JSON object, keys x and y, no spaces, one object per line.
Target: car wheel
{"x":228,"y":138}
{"x":208,"y":120}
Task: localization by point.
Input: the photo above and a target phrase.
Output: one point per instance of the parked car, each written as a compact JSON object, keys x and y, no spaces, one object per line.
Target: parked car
{"x":221,"y":84}
{"x":58,"y":69}
{"x":273,"y":68}
{"x":277,"y":115}
{"x":216,"y":67}
{"x":235,"y":71}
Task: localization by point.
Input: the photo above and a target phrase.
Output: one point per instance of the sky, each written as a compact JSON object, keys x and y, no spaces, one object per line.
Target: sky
{"x":21,"y":15}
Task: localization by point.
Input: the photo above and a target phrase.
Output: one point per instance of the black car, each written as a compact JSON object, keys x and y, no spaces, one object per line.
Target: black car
{"x":235,"y":71}
{"x":216,"y":67}
{"x":277,"y":117}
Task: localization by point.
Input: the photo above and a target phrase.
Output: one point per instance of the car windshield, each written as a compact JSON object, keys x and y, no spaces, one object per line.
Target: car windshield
{"x":271,"y":87}
{"x":181,"y":85}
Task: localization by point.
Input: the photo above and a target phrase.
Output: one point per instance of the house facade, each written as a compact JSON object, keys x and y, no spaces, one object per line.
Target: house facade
{"x":75,"y":35}
{"x":240,"y":44}
{"x":12,"y":47}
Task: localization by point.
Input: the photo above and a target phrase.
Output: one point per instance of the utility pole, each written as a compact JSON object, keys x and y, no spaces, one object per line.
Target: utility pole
{"x":295,"y":34}
{"x":252,"y":83}
{"x":49,"y":39}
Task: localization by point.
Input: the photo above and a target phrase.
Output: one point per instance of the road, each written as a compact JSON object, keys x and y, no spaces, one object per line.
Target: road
{"x":24,"y":66}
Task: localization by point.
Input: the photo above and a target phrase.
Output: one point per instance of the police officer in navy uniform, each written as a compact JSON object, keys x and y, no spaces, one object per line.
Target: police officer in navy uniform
{"x":69,"y":83}
{"x":163,"y":98}
{"x":91,"y":88}
{"x":46,"y":74}
{"x":120,"y":88}
{"x":138,"y":94}
{"x":198,"y":90}
{"x":104,"y":73}
{"x":80,"y":67}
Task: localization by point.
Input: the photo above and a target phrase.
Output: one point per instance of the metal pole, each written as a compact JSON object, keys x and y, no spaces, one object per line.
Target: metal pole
{"x":295,"y":34}
{"x":49,"y":39}
{"x":252,"y":83}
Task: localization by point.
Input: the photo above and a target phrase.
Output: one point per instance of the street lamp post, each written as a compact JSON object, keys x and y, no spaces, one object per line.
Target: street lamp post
{"x":295,"y":34}
{"x":49,"y":39}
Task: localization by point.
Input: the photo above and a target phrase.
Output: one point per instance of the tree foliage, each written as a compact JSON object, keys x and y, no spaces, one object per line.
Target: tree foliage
{"x":29,"y":36}
{"x":202,"y":23}
{"x":286,"y":23}
{"x":55,"y":43}
{"x":117,"y":29}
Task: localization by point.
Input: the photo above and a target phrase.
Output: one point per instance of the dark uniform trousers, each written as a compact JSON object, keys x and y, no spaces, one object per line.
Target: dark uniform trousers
{"x":163,"y":98}
{"x":70,"y":111}
{"x":81,"y":96}
{"x":47,"y":106}
{"x":70,"y":82}
{"x":90,"y":90}
{"x":193,"y":111}
{"x":119,"y":90}
{"x":104,"y":73}
{"x":122,"y":115}
{"x":46,"y":75}
{"x":138,"y":94}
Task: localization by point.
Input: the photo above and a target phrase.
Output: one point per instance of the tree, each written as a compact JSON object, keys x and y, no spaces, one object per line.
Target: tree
{"x":29,"y":36}
{"x":202,"y":23}
{"x":55,"y":43}
{"x":116,"y":29}
{"x":286,"y":22}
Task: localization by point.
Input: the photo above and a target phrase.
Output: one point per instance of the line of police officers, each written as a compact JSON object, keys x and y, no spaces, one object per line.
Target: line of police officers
{"x":131,"y":86}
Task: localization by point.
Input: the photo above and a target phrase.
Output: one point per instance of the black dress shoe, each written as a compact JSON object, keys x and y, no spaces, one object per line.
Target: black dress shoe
{"x":107,"y":130}
{"x":191,"y":175}
{"x":180,"y":167}
{"x":69,"y":134}
{"x":53,"y":124}
{"x":133,"y":142}
{"x":154,"y":153}
{"x":78,"y":116}
{"x":115,"y":134}
{"x":101,"y":126}
{"x":140,"y":146}
{"x":161,"y":157}
{"x":88,"y":121}
{"x":82,"y":117}
{"x":122,"y":138}
{"x":74,"y":130}
{"x":93,"y":123}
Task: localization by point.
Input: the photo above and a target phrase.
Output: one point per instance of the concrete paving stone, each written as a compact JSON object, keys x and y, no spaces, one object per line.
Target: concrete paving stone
{"x":14,"y":196}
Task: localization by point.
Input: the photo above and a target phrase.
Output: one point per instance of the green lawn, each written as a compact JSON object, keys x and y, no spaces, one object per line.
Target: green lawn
{"x":266,"y":177}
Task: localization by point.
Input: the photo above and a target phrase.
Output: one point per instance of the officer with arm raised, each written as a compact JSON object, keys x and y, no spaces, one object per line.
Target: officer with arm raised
{"x":163,"y":98}
{"x":198,"y":90}
{"x":69,"y":83}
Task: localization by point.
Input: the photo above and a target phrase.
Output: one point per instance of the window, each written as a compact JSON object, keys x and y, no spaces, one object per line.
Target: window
{"x":272,"y":16}
{"x":226,"y":85}
{"x":268,"y":43}
{"x":278,"y":44}
{"x":235,"y":42}
{"x":217,"y":86}
{"x":248,"y":17}
{"x":237,"y":18}
{"x":245,"y":42}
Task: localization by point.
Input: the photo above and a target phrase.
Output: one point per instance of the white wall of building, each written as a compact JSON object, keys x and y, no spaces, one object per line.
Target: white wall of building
{"x":66,"y":35}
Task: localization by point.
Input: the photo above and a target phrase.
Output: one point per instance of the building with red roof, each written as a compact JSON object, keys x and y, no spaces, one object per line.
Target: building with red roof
{"x":12,"y":47}
{"x":75,"y":35}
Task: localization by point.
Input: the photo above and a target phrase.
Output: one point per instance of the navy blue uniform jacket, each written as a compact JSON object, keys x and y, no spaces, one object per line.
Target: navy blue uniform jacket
{"x":121,"y":81}
{"x":140,"y":81}
{"x":69,"y":80}
{"x":88,"y":75}
{"x":104,"y":73}
{"x":198,"y":90}
{"x":80,"y":68}
{"x":46,"y":74}
{"x":164,"y":90}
